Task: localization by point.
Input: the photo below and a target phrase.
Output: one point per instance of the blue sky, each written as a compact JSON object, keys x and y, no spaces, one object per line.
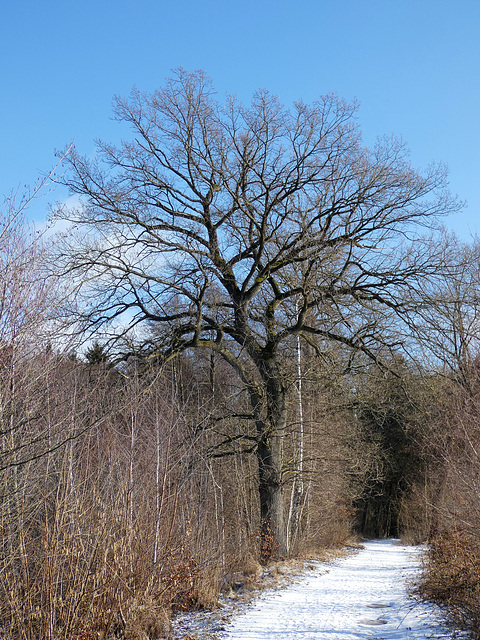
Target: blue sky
{"x":413,"y":65}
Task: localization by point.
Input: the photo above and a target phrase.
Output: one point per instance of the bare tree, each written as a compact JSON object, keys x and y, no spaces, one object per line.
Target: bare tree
{"x":449,"y":310}
{"x":27,"y":301}
{"x":236,"y":228}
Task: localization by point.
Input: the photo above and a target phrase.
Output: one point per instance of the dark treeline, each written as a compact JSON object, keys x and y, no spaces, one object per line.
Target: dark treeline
{"x":255,"y":342}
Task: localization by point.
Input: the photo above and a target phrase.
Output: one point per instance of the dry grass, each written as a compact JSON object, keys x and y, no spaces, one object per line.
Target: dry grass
{"x":452,"y":576}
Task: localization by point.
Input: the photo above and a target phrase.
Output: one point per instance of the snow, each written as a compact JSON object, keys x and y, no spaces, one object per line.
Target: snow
{"x":361,"y":596}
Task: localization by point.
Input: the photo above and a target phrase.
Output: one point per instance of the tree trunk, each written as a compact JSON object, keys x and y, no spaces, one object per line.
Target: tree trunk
{"x":297,"y":485}
{"x":272,"y":535}
{"x":269,"y":455}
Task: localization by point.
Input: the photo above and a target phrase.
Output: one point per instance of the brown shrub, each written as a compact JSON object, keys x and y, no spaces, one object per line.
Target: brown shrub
{"x":452,"y":576}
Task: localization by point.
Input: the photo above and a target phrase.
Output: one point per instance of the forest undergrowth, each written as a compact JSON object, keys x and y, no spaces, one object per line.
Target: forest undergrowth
{"x":452,"y":564}
{"x":452,"y":577}
{"x":114,"y":517}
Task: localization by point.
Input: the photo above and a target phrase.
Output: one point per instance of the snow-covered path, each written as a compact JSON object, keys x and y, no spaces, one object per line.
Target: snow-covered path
{"x":362,"y":596}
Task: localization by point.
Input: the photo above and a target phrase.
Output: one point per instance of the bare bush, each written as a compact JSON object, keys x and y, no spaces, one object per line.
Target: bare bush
{"x":453,"y":562}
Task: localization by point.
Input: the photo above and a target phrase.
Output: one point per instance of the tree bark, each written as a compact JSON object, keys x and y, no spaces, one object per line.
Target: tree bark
{"x":272,"y":539}
{"x":269,"y":455}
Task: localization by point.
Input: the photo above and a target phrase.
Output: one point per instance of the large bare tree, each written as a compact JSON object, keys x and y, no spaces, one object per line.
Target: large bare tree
{"x":236,"y":228}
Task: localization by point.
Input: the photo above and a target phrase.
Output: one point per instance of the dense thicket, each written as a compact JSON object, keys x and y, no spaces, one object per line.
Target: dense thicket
{"x":128,"y":513}
{"x":453,"y":561}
